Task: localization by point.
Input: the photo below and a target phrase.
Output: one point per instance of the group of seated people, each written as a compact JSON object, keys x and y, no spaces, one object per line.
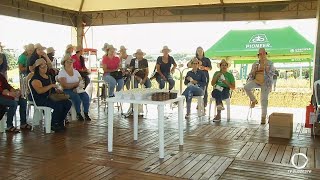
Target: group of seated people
{"x":73,"y":78}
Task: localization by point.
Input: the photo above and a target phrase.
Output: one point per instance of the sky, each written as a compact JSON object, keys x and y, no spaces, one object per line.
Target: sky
{"x":180,"y":37}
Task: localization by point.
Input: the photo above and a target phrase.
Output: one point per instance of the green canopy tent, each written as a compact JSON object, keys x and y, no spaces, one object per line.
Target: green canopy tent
{"x":283,"y":45}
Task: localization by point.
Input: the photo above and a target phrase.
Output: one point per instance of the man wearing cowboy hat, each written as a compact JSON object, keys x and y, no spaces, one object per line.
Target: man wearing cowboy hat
{"x":261,"y":76}
{"x":3,"y":62}
{"x":125,"y":61}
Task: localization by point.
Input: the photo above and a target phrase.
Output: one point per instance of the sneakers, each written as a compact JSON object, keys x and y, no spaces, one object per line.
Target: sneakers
{"x":217,"y":118}
{"x":187,"y":116}
{"x":87,"y":118}
{"x":79,"y":117}
{"x":253,"y":103}
{"x":220,"y":107}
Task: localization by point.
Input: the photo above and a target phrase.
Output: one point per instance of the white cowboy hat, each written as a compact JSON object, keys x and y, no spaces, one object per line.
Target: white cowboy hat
{"x":165,"y":48}
{"x":110,"y":46}
{"x":139,"y":51}
{"x":1,"y":45}
{"x":39,"y":46}
{"x":65,"y":58}
{"x":28,"y":47}
{"x":122,"y":48}
{"x":223,"y":61}
{"x":50,"y":50}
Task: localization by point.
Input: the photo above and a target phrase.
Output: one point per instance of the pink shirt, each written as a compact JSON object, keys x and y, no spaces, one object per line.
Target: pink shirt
{"x":112,"y":64}
{"x":76,"y":63}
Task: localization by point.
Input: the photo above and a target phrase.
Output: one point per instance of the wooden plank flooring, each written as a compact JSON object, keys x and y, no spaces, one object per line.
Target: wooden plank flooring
{"x":225,"y":150}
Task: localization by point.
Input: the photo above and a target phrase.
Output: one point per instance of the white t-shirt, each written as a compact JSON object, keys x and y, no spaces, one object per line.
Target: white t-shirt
{"x":128,"y":60}
{"x":70,"y":79}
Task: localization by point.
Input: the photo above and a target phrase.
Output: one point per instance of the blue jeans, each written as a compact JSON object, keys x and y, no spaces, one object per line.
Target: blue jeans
{"x":77,"y":98}
{"x":162,"y":82}
{"x":189,"y":92}
{"x":220,"y":95}
{"x":60,"y":110}
{"x":147,"y":84}
{"x":112,"y":83}
{"x":12,"y":107}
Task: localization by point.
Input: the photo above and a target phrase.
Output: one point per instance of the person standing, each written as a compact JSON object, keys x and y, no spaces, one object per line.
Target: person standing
{"x":261,"y":76}
{"x":23,"y":59}
{"x":3,"y":62}
{"x":205,"y":66}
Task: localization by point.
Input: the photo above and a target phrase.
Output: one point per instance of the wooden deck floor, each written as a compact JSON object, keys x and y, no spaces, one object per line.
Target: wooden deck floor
{"x":228,"y":150}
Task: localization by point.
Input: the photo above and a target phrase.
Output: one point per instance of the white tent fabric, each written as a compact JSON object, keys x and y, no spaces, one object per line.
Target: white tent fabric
{"x":103,"y":5}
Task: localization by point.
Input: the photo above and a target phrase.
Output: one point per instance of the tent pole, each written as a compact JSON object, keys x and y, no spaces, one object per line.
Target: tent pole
{"x":316,"y":67}
{"x":310,"y":73}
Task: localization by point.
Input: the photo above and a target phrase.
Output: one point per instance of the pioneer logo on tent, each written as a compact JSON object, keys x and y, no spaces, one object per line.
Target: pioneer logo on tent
{"x":258,"y":41}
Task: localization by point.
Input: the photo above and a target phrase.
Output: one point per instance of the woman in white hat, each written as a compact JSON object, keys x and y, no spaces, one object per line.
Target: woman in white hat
{"x":23,"y":58}
{"x":222,"y":82}
{"x":196,"y":82}
{"x":164,"y":68}
{"x":79,"y":65}
{"x":125,"y":63}
{"x":111,"y":65}
{"x":3,"y":62}
{"x":41,"y":85}
{"x":70,"y":80}
{"x":140,"y":63}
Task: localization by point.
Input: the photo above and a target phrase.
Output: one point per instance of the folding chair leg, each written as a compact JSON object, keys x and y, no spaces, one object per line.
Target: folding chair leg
{"x":47,"y":120}
{"x":36,"y":117}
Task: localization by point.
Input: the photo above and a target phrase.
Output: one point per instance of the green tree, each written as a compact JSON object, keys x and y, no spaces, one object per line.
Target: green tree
{"x":12,"y":60}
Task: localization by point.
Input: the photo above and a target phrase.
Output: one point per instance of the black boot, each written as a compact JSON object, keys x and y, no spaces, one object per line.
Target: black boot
{"x":87,"y":118}
{"x":79,"y":117}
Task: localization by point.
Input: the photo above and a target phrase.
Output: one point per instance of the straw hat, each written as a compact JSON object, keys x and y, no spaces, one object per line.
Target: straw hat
{"x":123,"y":48}
{"x":1,"y":45}
{"x":50,"y":50}
{"x":66,"y":58}
{"x":28,"y":47}
{"x":39,"y":46}
{"x":165,"y":48}
{"x":110,"y":46}
{"x":69,"y":46}
{"x":223,"y":61}
{"x":38,"y":63}
{"x":138,"y":52}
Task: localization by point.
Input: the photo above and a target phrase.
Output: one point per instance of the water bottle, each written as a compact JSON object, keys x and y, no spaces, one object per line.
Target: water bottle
{"x":136,"y":65}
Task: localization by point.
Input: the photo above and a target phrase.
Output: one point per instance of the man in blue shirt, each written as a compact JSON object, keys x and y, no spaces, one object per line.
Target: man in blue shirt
{"x":196,"y":81}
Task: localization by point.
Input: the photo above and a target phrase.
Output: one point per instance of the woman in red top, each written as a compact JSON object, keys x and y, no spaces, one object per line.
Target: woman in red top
{"x":80,"y":66}
{"x":111,"y":64}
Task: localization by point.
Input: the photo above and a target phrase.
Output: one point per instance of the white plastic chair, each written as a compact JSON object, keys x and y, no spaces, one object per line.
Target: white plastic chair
{"x":215,"y":109}
{"x":200,"y":105}
{"x":315,"y":87}
{"x":3,"y":123}
{"x":38,"y":111}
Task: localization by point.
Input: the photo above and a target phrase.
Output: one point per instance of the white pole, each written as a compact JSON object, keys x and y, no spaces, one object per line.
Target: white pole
{"x":110,"y":126}
{"x":161,"y":131}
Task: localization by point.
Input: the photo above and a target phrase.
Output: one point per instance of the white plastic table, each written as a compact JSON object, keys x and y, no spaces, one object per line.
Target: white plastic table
{"x":160,"y":104}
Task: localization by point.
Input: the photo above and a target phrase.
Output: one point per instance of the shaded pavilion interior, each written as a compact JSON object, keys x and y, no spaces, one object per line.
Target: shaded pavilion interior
{"x":238,"y":149}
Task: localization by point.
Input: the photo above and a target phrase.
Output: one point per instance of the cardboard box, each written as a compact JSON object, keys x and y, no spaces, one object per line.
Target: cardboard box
{"x":316,"y":129}
{"x":281,"y":125}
